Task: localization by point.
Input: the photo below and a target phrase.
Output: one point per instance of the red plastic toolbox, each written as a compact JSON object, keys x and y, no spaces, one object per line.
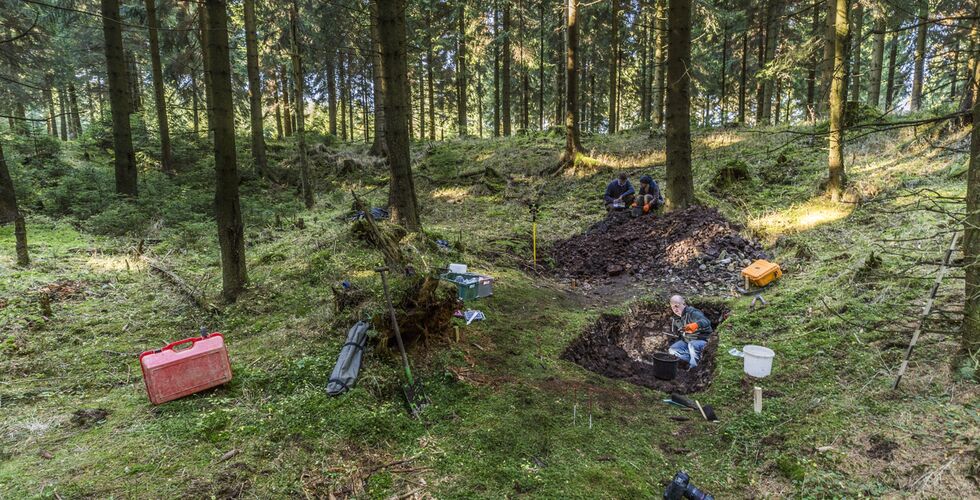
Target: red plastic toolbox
{"x":171,"y":373}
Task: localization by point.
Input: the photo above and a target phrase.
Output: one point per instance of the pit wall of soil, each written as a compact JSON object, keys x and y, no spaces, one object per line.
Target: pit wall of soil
{"x":622,"y":347}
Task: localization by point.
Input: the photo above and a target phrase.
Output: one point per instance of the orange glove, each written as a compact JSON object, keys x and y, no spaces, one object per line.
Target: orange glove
{"x":691,"y":327}
{"x":646,"y":208}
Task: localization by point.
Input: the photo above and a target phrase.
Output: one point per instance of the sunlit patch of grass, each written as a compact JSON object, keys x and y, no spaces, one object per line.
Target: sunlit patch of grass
{"x":816,"y":212}
{"x":450,"y":194}
{"x":107,"y":263}
{"x":721,"y":140}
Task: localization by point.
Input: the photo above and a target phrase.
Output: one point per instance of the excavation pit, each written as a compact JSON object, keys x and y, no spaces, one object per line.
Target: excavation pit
{"x":622,"y":347}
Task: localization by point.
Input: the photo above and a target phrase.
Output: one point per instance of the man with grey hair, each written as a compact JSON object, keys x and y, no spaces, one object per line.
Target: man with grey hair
{"x":692,"y":328}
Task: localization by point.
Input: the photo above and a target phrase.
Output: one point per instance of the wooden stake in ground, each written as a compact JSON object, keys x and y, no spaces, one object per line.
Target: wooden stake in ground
{"x":930,"y":300}
{"x":757,"y":400}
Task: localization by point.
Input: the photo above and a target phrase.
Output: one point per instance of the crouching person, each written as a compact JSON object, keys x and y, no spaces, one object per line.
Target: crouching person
{"x":693,"y":329}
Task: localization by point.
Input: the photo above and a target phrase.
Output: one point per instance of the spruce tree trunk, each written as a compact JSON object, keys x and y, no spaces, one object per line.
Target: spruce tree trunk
{"x":827,"y":64}
{"x":273,"y":87}
{"x":525,"y":80}
{"x":954,"y":72}
{"x":429,"y":64}
{"x":835,"y":180}
{"x":194,"y":105}
{"x":572,"y":144}
{"x":971,"y":83}
{"x":299,"y":101}
{"x":76,"y":118}
{"x":773,"y":24}
{"x":558,"y":44}
{"x":541,"y":65}
{"x":496,"y":72}
{"x":724,"y":66}
{"x":743,"y":77}
{"x":421,"y":72}
{"x":461,"y":70}
{"x":228,"y":213}
{"x":680,"y":183}
{"x":644,"y":65}
{"x":332,"y":59}
{"x":63,"y":115}
{"x":122,"y":138}
{"x":380,"y":146}
{"x":52,"y":114}
{"x":9,"y":212}
{"x":920,"y":56}
{"x":855,"y":51}
{"x":890,"y":85}
{"x":760,"y":82}
{"x":811,"y":81}
{"x":660,"y":63}
{"x":391,"y":25}
{"x":970,"y":340}
{"x":202,"y":19}
{"x":613,"y":67}
{"x":254,"y":90}
{"x":877,"y":56}
{"x":287,"y":108}
{"x":166,"y":155}
{"x":505,"y":70}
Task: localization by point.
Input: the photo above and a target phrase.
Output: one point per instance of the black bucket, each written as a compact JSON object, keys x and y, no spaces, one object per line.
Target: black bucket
{"x":664,"y":366}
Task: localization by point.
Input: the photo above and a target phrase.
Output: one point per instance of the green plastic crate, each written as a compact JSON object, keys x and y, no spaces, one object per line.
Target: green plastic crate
{"x":470,"y":286}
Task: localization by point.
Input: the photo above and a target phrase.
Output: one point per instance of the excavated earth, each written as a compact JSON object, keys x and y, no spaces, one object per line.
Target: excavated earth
{"x":696,"y":249}
{"x":622,"y":347}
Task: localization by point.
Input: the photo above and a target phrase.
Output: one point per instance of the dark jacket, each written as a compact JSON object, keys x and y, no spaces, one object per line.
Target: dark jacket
{"x":692,"y":315}
{"x":614,"y":190}
{"x":652,"y":189}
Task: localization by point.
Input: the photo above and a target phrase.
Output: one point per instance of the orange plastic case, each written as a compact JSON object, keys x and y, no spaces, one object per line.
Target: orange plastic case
{"x":762,"y":272}
{"x":171,"y":374}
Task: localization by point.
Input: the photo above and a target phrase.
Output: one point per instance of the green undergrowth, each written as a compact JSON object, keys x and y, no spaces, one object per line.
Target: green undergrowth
{"x":509,"y":416}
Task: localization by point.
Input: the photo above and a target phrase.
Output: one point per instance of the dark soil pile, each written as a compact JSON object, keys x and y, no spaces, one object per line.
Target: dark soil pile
{"x":693,"y":245}
{"x":622,"y":347}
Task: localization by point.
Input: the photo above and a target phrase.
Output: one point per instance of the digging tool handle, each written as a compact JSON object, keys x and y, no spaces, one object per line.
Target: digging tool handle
{"x":394,"y":323}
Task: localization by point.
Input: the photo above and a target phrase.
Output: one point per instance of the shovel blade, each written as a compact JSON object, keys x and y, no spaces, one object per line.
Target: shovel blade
{"x":415,"y":398}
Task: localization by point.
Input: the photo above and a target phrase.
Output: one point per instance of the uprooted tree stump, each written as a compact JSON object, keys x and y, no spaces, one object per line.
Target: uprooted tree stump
{"x":370,"y":231}
{"x":424,"y":310}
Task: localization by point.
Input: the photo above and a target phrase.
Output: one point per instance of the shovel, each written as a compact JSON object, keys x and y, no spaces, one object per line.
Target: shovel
{"x":414,"y":393}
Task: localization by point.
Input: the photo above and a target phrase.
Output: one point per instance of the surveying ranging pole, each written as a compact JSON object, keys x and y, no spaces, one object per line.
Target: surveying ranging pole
{"x":534,"y":232}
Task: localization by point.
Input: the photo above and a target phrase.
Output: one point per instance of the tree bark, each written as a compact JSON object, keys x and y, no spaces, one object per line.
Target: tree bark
{"x":877,"y":56}
{"x":228,"y":213}
{"x":254,"y":90}
{"x":52,"y":114}
{"x":827,"y":63}
{"x":743,"y":78}
{"x":496,"y":71}
{"x":122,"y":138}
{"x":954,"y":71}
{"x":970,"y":340}
{"x":644,"y":40}
{"x":505,"y":70}
{"x":63,"y":116}
{"x":287,"y":108}
{"x":541,"y":44}
{"x":855,"y":53}
{"x":525,"y":77}
{"x":299,"y":101}
{"x":76,"y":118}
{"x":573,"y":145}
{"x":461,"y":70}
{"x":166,"y":154}
{"x":332,"y":59}
{"x":811,"y":81}
{"x":202,"y":19}
{"x":835,"y":180}
{"x":890,"y":85}
{"x":760,"y":82}
{"x":613,"y":66}
{"x":724,"y":67}
{"x":429,"y":65}
{"x":660,"y":62}
{"x":273,"y":85}
{"x":680,"y":183}
{"x":772,"y":44}
{"x":379,"y":147}
{"x":920,"y":56}
{"x":421,"y":71}
{"x":402,"y":198}
{"x":194,"y":105}
{"x":9,"y":212}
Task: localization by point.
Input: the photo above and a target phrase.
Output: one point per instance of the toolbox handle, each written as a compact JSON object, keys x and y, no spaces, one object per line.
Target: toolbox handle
{"x":171,"y":345}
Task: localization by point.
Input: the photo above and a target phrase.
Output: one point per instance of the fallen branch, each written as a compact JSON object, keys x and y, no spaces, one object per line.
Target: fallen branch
{"x":186,"y":290}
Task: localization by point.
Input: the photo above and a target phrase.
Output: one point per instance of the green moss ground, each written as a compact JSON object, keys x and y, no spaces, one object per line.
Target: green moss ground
{"x":501,"y":423}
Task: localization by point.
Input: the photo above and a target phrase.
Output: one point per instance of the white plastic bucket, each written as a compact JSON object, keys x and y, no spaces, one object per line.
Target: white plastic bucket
{"x":758,"y":360}
{"x":457,"y":268}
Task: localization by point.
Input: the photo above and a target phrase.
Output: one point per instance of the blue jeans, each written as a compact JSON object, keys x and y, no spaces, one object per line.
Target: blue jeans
{"x":682,"y":350}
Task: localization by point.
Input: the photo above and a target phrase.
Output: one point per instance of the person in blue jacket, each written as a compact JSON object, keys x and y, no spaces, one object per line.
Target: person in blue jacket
{"x":619,"y":191}
{"x":649,"y":196}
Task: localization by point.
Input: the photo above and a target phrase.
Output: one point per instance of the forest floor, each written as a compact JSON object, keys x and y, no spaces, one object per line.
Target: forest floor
{"x":509,"y":415}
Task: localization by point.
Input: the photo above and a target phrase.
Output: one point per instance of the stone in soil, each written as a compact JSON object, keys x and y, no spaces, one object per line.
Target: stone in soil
{"x":622,"y":347}
{"x":695,"y":245}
